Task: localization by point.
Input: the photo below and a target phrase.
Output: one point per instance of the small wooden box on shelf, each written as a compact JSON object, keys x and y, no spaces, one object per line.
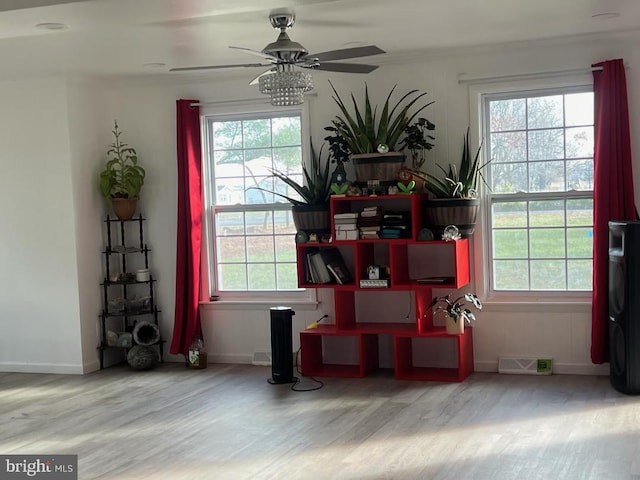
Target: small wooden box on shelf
{"x":414,"y":266}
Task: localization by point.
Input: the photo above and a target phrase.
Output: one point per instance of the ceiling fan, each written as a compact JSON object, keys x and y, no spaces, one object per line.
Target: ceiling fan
{"x":284,"y":54}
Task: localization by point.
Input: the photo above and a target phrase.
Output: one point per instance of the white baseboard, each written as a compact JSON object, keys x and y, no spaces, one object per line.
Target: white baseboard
{"x":231,"y":358}
{"x":558,"y":368}
{"x":41,"y":368}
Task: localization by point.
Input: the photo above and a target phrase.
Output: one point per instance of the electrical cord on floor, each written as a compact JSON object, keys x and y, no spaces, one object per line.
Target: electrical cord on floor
{"x":296,"y":380}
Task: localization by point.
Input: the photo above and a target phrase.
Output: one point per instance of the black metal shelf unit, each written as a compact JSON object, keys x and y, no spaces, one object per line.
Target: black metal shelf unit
{"x":126,"y":300}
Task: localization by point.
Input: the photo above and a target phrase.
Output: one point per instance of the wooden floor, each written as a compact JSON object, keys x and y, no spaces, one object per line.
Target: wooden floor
{"x":227,"y":422}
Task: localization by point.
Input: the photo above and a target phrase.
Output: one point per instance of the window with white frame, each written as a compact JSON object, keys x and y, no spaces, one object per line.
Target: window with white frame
{"x":540,"y":145}
{"x":251,"y":247}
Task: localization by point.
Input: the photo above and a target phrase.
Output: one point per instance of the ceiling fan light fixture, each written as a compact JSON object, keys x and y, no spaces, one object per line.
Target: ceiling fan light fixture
{"x":286,"y":88}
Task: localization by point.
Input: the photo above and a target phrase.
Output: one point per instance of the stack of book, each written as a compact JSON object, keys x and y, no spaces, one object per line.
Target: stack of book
{"x":369,"y":222}
{"x":326,"y":265}
{"x":396,"y":225}
{"x":346,"y":225}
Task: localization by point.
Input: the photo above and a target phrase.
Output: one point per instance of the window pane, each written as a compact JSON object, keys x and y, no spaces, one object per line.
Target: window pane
{"x":262,"y":276}
{"x":288,"y":159}
{"x":509,"y":214}
{"x":548,"y":275}
{"x":229,"y":163}
{"x":260,"y":249}
{"x":285,"y":248}
{"x":546,"y":144}
{"x":580,"y":274}
{"x":286,"y":276}
{"x":511,"y":275}
{"x":580,"y":212}
{"x":508,"y":115}
{"x":231,"y":250}
{"x":547,"y":243}
{"x":286,"y":131}
{"x":508,"y":147}
{"x":259,"y":223}
{"x":258,"y":161}
{"x":232,"y":277}
{"x":229,"y":191}
{"x":509,"y":177}
{"x":580,"y":175}
{"x":546,"y":177}
{"x":579,"y":108}
{"x":579,"y":243}
{"x":548,"y":213}
{"x":254,"y":196}
{"x":545,"y":112}
{"x":257,"y":133}
{"x":227,"y":135}
{"x":510,"y":244}
{"x":230,"y":223}
{"x":579,"y":142}
{"x":283,"y":222}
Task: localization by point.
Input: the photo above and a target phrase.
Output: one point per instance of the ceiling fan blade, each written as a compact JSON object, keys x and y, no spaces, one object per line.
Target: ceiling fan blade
{"x":215,"y":67}
{"x":255,"y":52}
{"x":344,"y":67}
{"x":256,"y":80}
{"x":345,"y":53}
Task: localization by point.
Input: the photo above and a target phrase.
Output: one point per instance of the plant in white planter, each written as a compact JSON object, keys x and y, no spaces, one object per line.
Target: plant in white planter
{"x":456,"y":313}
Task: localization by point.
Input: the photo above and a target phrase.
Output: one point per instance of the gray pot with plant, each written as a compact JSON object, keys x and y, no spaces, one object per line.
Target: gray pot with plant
{"x":310,"y":212}
{"x":455,"y":196}
{"x":372,"y":140}
{"x":122,"y":178}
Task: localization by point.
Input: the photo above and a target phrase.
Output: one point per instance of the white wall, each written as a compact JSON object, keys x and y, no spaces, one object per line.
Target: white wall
{"x":41,"y":317}
{"x":39,"y":308}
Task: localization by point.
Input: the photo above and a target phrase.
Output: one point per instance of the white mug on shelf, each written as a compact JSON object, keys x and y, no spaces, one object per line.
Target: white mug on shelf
{"x":143,"y":275}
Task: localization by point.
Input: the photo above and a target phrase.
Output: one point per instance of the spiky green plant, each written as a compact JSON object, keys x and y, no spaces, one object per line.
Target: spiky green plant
{"x":459,"y":182}
{"x":364,"y":131}
{"x":316,"y":188}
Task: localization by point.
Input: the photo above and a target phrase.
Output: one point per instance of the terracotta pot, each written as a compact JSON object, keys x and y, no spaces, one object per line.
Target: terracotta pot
{"x":461,"y":212}
{"x":124,"y":208}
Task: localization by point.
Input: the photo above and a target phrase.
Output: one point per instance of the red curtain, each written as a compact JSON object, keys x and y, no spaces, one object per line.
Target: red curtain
{"x":189,"y":153}
{"x":613,"y":197}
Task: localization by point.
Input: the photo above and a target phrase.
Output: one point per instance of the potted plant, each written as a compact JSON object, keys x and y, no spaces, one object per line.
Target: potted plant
{"x":311,"y":211}
{"x":374,"y":140}
{"x":455,"y":194}
{"x":122,"y":177}
{"x":455,"y":312}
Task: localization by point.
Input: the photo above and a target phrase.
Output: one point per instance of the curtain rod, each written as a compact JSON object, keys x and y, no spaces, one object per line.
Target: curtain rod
{"x":240,"y":101}
{"x":462,"y":78}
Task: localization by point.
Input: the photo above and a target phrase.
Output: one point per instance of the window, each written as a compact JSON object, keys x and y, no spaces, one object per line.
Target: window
{"x":541,"y":179}
{"x":252,"y":248}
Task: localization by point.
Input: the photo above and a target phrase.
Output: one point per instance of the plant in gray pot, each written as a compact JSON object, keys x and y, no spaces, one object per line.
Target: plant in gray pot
{"x":374,"y":140}
{"x":455,"y":196}
{"x":311,"y":211}
{"x":122,"y":178}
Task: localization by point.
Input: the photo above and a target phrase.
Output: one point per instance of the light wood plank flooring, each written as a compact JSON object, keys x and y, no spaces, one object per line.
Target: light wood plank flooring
{"x":227,"y":422}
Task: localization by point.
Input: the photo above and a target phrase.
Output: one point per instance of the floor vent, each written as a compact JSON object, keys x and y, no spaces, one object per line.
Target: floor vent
{"x":261,"y":358}
{"x":525,"y":365}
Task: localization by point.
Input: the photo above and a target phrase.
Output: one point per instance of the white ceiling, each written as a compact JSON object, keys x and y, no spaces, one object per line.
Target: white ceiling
{"x":122,"y":37}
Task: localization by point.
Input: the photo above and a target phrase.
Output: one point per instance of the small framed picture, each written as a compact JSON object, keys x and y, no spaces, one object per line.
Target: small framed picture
{"x":373,"y":272}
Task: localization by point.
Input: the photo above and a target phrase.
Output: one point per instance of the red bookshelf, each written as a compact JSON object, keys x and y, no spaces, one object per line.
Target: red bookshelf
{"x":408,"y":259}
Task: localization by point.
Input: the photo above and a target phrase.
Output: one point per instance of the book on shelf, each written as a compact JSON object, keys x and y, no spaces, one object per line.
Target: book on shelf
{"x":327,"y":265}
{"x":336,"y":265}
{"x":346,"y":216}
{"x":341,"y":227}
{"x":347,"y":234}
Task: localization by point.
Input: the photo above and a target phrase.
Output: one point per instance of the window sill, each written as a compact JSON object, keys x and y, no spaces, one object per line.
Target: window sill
{"x":302,"y":305}
{"x":575,"y":305}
